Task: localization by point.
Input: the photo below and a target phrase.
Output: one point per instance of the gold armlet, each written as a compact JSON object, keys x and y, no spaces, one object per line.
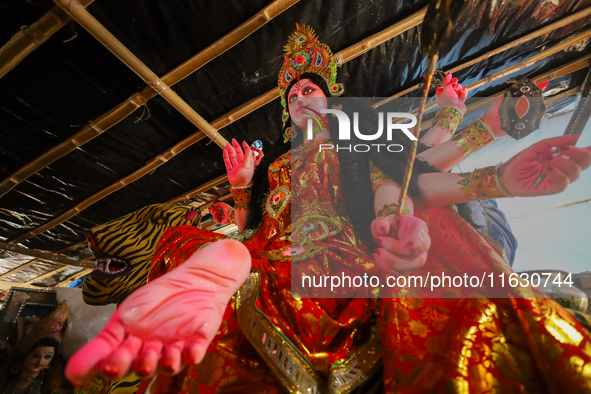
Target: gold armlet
{"x":483,"y":184}
{"x":474,"y":137}
{"x":242,"y":196}
{"x":448,"y":118}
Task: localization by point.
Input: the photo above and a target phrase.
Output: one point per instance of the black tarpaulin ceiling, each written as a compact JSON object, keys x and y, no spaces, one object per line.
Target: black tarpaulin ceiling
{"x":71,"y":80}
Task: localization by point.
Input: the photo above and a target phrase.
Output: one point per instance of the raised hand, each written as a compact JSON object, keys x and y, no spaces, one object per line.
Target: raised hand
{"x":169,"y":322}
{"x":452,"y":94}
{"x":492,"y":117}
{"x":220,"y":212}
{"x":239,"y":164}
{"x":540,"y":166}
{"x":403,"y":245}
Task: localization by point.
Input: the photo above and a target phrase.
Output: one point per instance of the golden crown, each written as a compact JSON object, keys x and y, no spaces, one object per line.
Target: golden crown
{"x":305,"y":54}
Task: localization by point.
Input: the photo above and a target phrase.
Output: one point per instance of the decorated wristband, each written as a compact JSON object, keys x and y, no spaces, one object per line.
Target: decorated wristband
{"x":483,"y":184}
{"x":474,"y":137}
{"x":448,"y":118}
{"x":242,"y":196}
{"x":376,"y":176}
{"x":392,"y":209}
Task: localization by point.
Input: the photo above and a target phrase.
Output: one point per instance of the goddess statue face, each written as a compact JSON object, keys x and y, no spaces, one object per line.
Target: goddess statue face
{"x":302,"y":95}
{"x":37,"y":359}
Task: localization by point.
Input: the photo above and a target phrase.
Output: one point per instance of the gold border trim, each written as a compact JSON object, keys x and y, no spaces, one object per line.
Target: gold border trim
{"x":290,"y":367}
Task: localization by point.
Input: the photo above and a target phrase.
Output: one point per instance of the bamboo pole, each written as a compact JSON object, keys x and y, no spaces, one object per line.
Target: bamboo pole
{"x":19,"y":268}
{"x":94,"y":27}
{"x":73,"y":278}
{"x":522,"y":40}
{"x":566,"y":69}
{"x":48,"y":256}
{"x":219,"y":123}
{"x":31,"y":37}
{"x":570,"y":67}
{"x":126,"y":108}
{"x":47,"y":274}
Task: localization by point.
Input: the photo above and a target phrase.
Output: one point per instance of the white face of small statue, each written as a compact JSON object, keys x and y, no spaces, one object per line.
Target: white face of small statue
{"x":302,"y":95}
{"x":37,"y":359}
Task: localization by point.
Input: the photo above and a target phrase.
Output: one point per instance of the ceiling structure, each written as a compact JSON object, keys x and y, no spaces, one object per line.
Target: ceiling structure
{"x":84,"y":139}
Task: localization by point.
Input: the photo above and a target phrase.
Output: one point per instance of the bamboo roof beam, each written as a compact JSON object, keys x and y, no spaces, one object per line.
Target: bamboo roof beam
{"x":109,"y":41}
{"x":555,"y":73}
{"x":31,"y":37}
{"x":19,"y":268}
{"x":230,"y":117}
{"x":5,"y":285}
{"x":73,"y":278}
{"x":566,"y":69}
{"x":538,"y":33}
{"x":126,"y":108}
{"x":47,"y":274}
{"x":47,"y":256}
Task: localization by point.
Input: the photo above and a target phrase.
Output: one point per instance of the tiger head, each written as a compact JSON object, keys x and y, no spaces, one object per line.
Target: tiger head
{"x":124,"y":247}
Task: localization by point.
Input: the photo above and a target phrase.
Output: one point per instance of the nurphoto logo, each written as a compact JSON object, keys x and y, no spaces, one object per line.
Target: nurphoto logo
{"x":345,"y":131}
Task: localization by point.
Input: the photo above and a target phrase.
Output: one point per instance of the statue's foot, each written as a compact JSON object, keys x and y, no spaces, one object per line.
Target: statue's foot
{"x":168,"y":322}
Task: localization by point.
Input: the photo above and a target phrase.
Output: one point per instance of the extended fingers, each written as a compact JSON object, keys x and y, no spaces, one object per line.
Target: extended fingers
{"x":84,"y":365}
{"x":146,"y":363}
{"x":171,"y":361}
{"x":118,"y":363}
{"x":238,"y":149}
{"x":195,"y":350}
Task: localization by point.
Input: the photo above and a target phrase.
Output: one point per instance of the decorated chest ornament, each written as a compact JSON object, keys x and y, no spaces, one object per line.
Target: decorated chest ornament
{"x":522,"y":109}
{"x":305,"y":54}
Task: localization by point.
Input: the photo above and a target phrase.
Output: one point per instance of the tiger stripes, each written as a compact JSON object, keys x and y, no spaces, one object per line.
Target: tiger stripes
{"x":129,"y":242}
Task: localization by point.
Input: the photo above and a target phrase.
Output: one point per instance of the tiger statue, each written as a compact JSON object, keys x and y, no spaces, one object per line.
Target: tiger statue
{"x":123,"y":249}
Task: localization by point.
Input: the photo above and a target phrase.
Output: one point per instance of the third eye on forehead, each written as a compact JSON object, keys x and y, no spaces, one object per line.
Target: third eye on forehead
{"x":296,"y":88}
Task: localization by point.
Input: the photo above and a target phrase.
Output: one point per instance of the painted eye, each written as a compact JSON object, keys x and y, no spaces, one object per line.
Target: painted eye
{"x":308,"y":90}
{"x":292,"y":98}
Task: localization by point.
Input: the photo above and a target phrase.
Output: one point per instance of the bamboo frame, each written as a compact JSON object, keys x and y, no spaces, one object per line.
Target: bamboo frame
{"x":126,"y":108}
{"x":557,"y":72}
{"x":230,"y":117}
{"x":46,"y":275}
{"x":19,"y":268}
{"x":538,"y":33}
{"x":31,"y":37}
{"x":566,"y":69}
{"x":98,"y":31}
{"x":47,"y":256}
{"x":74,"y":278}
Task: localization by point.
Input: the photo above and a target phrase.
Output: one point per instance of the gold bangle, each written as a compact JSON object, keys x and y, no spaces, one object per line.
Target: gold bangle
{"x":474,"y":137}
{"x":448,"y":118}
{"x":481,"y":184}
{"x":499,"y":181}
{"x":392,"y":209}
{"x":242,"y":196}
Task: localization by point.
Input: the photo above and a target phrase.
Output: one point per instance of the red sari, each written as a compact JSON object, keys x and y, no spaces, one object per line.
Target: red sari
{"x":272,"y":339}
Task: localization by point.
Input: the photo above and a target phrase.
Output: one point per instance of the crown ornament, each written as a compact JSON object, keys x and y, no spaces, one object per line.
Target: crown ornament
{"x":48,"y":327}
{"x":305,"y":54}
